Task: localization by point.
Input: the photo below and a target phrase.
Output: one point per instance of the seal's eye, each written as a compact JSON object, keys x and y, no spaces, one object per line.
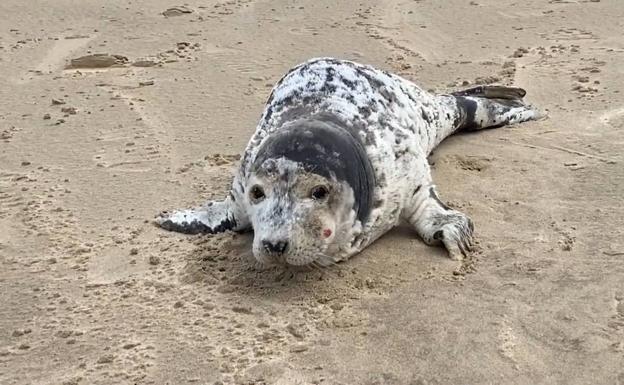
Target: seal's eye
{"x":256,"y":194}
{"x":319,"y":193}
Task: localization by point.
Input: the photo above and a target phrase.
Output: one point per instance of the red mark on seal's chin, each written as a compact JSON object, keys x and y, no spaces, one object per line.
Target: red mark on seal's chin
{"x":327,"y":233}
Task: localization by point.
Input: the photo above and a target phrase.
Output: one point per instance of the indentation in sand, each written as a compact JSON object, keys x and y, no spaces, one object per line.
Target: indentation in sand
{"x":57,"y":55}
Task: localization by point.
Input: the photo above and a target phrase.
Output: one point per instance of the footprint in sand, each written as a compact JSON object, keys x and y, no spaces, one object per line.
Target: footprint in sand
{"x":221,"y":159}
{"x":614,"y":117}
{"x":471,"y":163}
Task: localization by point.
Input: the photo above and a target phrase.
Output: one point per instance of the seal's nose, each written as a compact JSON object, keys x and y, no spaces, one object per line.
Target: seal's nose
{"x":275,"y":247}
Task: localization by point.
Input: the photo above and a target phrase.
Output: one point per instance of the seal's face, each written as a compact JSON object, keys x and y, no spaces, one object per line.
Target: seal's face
{"x":309,"y":189}
{"x":298,"y":216}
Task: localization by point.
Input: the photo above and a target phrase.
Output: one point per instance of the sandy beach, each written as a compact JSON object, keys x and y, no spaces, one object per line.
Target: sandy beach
{"x":113,"y":111}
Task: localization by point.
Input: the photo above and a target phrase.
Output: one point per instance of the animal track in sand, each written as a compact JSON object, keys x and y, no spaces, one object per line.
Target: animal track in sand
{"x":147,"y":144}
{"x":570,"y":34}
{"x":584,"y":82}
{"x":7,"y":133}
{"x":40,"y":214}
{"x":617,"y":320}
{"x":229,"y":7}
{"x":222,"y":159}
{"x":507,"y":342}
{"x":471,"y":163}
{"x":113,"y":264}
{"x":305,"y":30}
{"x":613,"y":117}
{"x":10,"y":194}
{"x":105,"y":61}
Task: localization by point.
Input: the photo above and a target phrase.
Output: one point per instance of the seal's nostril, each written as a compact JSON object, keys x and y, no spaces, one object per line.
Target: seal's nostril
{"x":278,"y":247}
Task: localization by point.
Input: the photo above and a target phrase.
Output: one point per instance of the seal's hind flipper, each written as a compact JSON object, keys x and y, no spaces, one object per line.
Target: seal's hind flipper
{"x":214,"y":217}
{"x":492,"y":106}
{"x":493,"y":92}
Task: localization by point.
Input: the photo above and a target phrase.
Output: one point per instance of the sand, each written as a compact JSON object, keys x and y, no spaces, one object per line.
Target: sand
{"x":93,"y":147}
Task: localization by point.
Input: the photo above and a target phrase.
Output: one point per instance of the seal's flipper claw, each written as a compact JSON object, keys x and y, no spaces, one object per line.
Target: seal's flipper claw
{"x":437,"y":223}
{"x":214,"y":217}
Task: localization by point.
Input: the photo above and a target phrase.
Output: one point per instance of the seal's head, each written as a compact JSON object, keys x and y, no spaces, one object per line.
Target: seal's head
{"x":309,"y":189}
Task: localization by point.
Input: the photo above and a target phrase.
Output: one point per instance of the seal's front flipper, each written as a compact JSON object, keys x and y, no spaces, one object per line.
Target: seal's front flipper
{"x":492,"y":106}
{"x":437,"y":223}
{"x":214,"y":217}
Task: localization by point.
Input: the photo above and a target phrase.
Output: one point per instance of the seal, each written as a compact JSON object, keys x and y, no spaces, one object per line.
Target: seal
{"x":339,"y":157}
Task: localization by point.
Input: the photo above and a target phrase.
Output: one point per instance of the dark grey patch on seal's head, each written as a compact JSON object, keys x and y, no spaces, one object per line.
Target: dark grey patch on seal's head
{"x":295,"y":112}
{"x":326,"y":148}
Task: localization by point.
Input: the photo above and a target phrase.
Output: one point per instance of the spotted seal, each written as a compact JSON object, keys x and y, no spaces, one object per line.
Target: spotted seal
{"x":340,"y":156}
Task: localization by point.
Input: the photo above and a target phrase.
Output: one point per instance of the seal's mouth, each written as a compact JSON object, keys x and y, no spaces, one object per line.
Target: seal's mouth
{"x":307,"y":247}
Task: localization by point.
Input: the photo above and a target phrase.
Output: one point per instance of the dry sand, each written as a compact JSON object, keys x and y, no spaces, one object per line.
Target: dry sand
{"x":92,"y":293}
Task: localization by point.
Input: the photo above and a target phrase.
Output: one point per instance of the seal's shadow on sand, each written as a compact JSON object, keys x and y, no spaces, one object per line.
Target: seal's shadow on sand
{"x":224,"y":262}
